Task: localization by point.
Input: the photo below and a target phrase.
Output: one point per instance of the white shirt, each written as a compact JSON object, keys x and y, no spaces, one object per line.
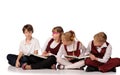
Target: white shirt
{"x":52,"y":45}
{"x":107,"y":54}
{"x":70,"y":48}
{"x":28,"y":49}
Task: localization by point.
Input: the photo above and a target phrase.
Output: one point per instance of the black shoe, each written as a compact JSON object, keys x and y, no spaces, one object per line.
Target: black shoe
{"x":91,"y":69}
{"x":60,"y":67}
{"x":81,"y":68}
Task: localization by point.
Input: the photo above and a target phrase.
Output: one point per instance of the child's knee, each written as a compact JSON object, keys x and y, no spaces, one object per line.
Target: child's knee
{"x":102,"y":69}
{"x":117,"y":61}
{"x":9,"y":56}
{"x":52,"y":58}
{"x":87,"y":61}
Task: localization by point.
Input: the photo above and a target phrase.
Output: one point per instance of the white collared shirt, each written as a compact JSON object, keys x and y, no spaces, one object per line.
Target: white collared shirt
{"x":28,"y":49}
{"x":107,"y":54}
{"x":62,"y":51}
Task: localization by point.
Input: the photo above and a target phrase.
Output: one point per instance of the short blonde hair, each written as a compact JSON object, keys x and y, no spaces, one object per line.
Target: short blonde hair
{"x":100,"y":37}
{"x":69,"y":36}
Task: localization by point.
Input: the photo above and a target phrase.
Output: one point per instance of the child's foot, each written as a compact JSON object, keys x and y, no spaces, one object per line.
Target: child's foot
{"x":61,"y":67}
{"x":53,"y":66}
{"x":74,"y":69}
{"x":24,"y":66}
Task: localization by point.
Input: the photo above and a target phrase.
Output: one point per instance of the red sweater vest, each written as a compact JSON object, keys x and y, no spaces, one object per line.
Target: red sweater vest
{"x":73,"y":53}
{"x":96,"y":53}
{"x":53,"y":50}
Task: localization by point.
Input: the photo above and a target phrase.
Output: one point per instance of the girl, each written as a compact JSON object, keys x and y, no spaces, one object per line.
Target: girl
{"x":51,"y":47}
{"x":53,"y":44}
{"x":70,"y":47}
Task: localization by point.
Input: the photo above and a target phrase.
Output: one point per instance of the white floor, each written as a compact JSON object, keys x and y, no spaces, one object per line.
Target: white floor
{"x":10,"y":70}
{"x":6,"y":69}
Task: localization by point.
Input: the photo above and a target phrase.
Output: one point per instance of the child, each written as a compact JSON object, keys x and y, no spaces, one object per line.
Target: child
{"x":53,"y":44}
{"x":28,"y":46}
{"x":51,"y":47}
{"x":70,"y":47}
{"x":100,"y":55}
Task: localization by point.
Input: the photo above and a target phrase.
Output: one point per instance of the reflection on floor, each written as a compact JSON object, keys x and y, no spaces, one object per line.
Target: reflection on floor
{"x":13,"y":70}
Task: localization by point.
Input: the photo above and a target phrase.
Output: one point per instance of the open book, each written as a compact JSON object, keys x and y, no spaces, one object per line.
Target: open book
{"x":75,"y":57}
{"x":40,"y":56}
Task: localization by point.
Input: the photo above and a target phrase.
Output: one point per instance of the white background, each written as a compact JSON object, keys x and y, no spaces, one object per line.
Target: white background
{"x":85,"y":17}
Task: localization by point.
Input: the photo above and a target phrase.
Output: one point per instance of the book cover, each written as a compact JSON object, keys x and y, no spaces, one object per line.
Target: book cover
{"x":82,"y":57}
{"x":40,"y":56}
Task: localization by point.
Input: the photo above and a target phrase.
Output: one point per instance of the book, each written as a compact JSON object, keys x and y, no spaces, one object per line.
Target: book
{"x":75,"y":57}
{"x":40,"y":56}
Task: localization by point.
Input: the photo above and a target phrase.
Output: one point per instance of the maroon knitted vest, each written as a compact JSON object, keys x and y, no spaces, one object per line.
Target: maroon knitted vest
{"x":53,"y":50}
{"x":96,"y":53}
{"x":76,"y":52}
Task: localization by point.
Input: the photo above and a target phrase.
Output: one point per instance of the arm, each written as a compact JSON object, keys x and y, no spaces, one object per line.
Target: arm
{"x":45,"y":45}
{"x":88,"y":49}
{"x":92,"y":57}
{"x":18,"y":58}
{"x":17,"y":64}
{"x":37,"y":47}
{"x":61,"y":51}
{"x":107,"y":55}
{"x":83,"y":49}
{"x":45,"y":53}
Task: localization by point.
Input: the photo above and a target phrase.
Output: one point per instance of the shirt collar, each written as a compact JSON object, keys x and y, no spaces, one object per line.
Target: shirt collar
{"x":30,"y":41}
{"x":104,"y":45}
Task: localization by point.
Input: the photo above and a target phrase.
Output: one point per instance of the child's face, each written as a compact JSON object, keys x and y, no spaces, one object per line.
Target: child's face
{"x":56,"y":35}
{"x":97,"y":44}
{"x":28,"y":33}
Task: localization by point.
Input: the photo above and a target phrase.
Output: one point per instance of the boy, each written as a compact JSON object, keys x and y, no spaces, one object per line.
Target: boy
{"x":100,"y":55}
{"x":28,"y":46}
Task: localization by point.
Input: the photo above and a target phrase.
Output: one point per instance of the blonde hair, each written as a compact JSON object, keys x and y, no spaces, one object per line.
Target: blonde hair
{"x":100,"y":37}
{"x":69,"y":36}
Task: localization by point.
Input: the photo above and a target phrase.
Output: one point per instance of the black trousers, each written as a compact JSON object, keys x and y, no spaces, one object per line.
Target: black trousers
{"x":35,"y":62}
{"x":12,"y":59}
{"x":40,"y":63}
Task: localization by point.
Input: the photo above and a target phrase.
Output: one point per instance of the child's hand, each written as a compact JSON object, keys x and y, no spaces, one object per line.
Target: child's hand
{"x":92,"y":57}
{"x":69,"y":59}
{"x":45,"y":54}
{"x":17,"y":64}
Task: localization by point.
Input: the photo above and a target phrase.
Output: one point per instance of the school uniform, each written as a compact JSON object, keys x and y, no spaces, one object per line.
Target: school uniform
{"x":26,"y":49}
{"x":52,"y":47}
{"x":75,"y":49}
{"x":105,"y":62}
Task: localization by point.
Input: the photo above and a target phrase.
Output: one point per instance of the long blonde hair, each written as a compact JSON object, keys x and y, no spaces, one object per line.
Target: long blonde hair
{"x":69,"y":36}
